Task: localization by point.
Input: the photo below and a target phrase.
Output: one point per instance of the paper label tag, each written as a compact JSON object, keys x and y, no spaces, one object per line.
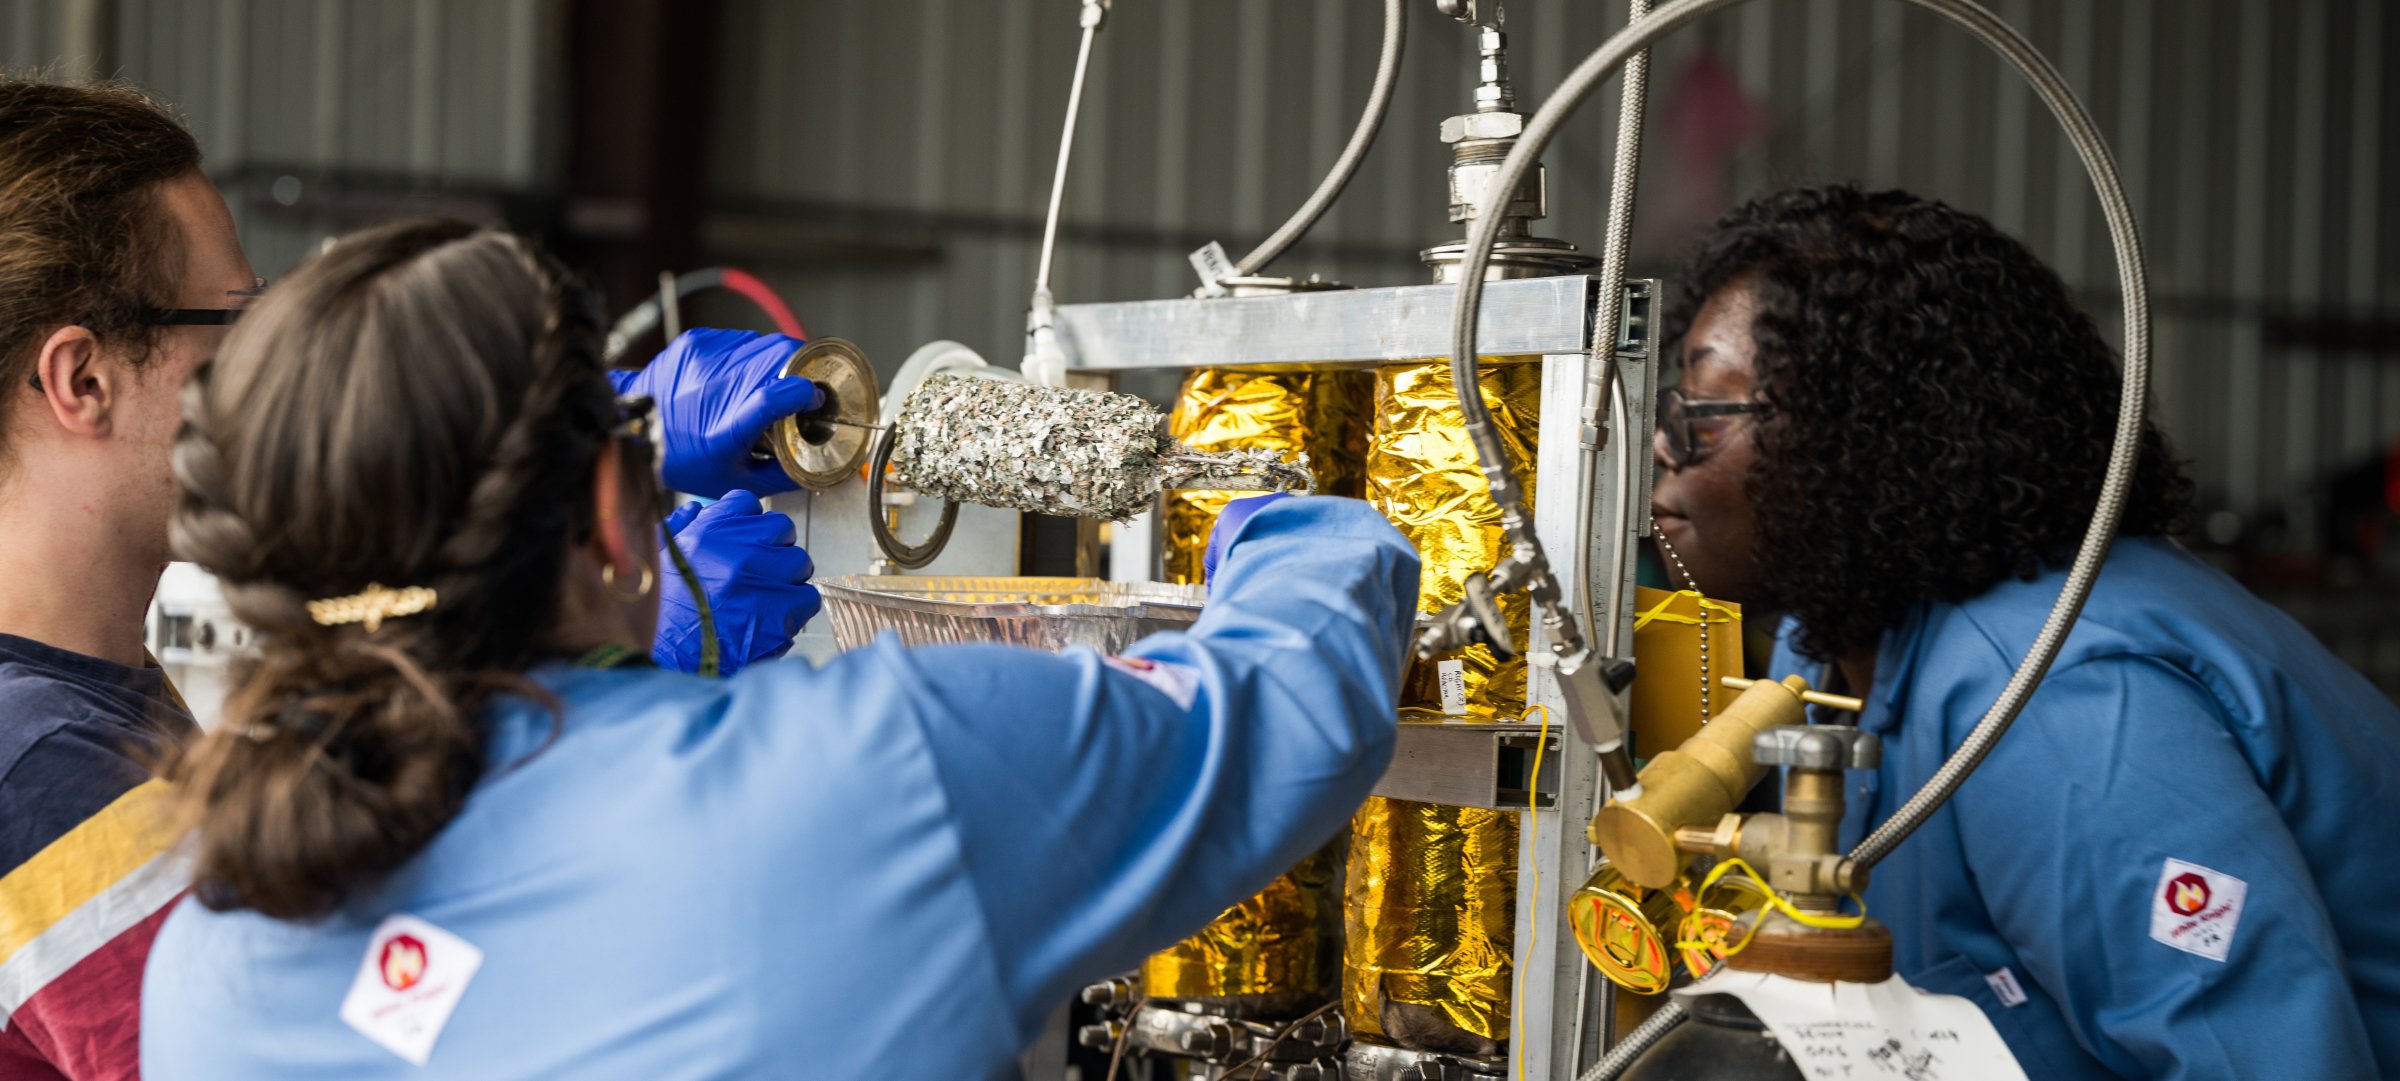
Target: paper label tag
{"x":408,"y":984}
{"x":1452,"y":675}
{"x":1852,"y":1031}
{"x":1213,"y":266}
{"x":2195,"y":909}
{"x":2005,"y":987}
{"x":1181,"y":682}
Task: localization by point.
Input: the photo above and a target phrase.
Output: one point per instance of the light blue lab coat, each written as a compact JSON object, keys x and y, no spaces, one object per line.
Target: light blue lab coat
{"x":891,"y":867}
{"x":2184,"y":720}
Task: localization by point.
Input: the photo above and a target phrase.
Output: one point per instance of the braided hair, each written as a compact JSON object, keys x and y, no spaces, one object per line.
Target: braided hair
{"x":422,"y":405}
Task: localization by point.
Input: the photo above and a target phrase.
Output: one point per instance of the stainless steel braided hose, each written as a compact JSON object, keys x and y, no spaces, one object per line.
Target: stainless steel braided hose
{"x":2132,"y":280}
{"x":1643,"y":1037}
{"x":1602,"y":380}
{"x":1370,"y":122}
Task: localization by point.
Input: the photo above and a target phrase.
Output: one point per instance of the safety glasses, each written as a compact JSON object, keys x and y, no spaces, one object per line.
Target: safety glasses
{"x":1692,"y":430}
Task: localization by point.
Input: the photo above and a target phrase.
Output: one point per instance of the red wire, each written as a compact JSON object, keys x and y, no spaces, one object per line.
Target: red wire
{"x":748,"y":285}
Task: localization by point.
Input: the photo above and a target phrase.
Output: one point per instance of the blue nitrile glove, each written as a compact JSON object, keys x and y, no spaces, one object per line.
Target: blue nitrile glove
{"x":717,"y":391}
{"x":755,"y":577}
{"x":1229,"y":525}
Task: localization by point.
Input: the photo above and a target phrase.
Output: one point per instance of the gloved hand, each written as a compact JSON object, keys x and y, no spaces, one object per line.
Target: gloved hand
{"x":717,"y":392}
{"x":755,"y":578}
{"x":1229,"y":522}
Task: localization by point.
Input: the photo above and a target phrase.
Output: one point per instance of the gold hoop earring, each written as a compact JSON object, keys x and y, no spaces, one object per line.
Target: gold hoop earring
{"x":608,"y":578}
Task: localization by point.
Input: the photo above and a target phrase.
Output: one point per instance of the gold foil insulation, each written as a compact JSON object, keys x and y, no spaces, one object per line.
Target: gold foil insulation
{"x":1275,"y":955}
{"x":1421,"y":473}
{"x":1431,"y":897}
{"x":1323,"y":414}
{"x":1430,"y":928}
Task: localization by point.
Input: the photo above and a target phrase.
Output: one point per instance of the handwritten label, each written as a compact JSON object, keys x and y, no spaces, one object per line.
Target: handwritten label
{"x":1452,"y":675}
{"x":1885,"y":1031}
{"x":1213,"y":266}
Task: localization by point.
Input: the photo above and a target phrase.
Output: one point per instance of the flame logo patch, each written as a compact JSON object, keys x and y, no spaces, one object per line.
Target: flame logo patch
{"x":2187,"y":893}
{"x":402,"y":962}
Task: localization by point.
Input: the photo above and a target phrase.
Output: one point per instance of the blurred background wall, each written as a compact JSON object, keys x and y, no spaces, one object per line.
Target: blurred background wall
{"x":884,"y":166}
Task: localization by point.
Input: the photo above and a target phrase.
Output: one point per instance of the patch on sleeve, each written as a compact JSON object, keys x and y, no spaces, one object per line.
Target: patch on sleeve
{"x":408,"y":984}
{"x":2196,"y":910}
{"x":1181,"y":682}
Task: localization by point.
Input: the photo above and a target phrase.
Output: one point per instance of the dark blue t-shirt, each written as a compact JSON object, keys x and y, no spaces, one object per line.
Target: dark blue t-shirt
{"x":76,"y":732}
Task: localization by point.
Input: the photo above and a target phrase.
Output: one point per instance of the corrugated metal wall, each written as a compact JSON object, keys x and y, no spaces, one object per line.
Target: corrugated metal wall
{"x":2253,"y":136}
{"x":428,"y":93}
{"x":885,"y":164}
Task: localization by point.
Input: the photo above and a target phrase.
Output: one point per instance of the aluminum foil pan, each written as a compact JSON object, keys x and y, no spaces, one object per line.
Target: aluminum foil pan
{"x":1041,"y":613}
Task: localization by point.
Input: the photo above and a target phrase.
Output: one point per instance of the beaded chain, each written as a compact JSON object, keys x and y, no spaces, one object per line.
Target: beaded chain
{"x":1694,"y":585}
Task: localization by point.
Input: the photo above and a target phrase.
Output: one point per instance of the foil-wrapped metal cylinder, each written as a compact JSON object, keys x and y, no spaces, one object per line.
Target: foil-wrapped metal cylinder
{"x":1056,"y":450}
{"x":1273,"y":957}
{"x":1430,"y":907}
{"x":1042,"y":450}
{"x":1277,"y":955}
{"x":1322,"y":415}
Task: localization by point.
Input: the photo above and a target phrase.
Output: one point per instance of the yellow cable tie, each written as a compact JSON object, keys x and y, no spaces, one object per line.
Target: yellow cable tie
{"x":1659,"y":614}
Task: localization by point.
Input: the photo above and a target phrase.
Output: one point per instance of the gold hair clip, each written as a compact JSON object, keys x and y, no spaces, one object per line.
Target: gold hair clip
{"x":371,"y":606}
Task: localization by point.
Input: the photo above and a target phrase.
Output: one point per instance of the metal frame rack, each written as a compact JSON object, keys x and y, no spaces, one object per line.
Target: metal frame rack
{"x":1560,"y":1012}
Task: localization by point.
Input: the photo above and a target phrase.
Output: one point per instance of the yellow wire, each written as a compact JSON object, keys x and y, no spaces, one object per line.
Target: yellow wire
{"x":1776,"y":901}
{"x":1533,"y":784}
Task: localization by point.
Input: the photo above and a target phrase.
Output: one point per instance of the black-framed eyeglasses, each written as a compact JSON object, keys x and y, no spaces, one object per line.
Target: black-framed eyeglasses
{"x":204,"y":317}
{"x":1692,"y":430}
{"x":183,"y":317}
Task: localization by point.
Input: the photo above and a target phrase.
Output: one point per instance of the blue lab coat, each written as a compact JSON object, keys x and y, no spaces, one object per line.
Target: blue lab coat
{"x":2184,"y":720}
{"x":894,"y":866}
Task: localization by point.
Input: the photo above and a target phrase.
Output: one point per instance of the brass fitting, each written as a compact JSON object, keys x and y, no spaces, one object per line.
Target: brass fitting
{"x":1696,"y":784}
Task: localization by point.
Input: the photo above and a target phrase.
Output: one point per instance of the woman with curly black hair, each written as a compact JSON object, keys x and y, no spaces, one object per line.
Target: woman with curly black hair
{"x":1891,"y":424}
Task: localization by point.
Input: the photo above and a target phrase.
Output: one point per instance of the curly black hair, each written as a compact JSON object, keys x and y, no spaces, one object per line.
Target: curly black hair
{"x":1938,"y":411}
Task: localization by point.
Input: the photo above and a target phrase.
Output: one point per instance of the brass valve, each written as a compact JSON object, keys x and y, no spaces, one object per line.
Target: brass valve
{"x":1695,"y":785}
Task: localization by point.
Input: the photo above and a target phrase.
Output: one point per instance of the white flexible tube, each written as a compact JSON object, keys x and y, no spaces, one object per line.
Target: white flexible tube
{"x":1066,"y":148}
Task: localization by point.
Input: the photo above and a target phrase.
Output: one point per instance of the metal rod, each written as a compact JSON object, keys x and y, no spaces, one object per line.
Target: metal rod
{"x":1820,"y":698}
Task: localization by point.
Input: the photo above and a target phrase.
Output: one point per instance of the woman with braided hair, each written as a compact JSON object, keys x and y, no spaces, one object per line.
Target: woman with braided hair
{"x":1891,"y":424}
{"x":451,"y":820}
